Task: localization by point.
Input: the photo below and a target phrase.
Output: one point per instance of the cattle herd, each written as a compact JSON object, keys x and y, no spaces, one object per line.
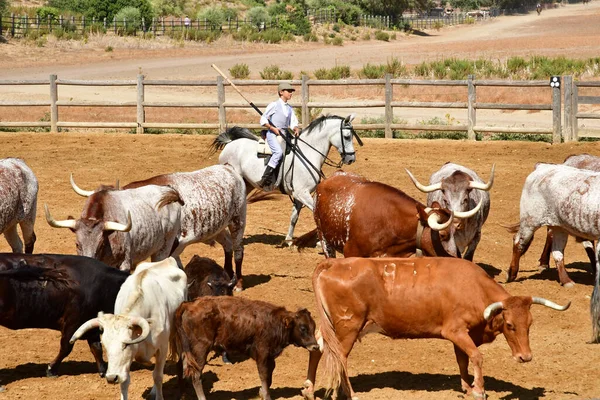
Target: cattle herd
{"x":407,"y":270}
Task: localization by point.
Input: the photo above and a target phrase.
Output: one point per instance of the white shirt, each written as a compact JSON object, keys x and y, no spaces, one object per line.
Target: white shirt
{"x":287,"y":109}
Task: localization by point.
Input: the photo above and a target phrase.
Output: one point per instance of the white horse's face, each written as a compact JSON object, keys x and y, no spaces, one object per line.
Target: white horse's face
{"x":341,"y":138}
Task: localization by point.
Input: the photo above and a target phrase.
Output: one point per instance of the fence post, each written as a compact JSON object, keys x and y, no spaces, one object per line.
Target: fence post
{"x":12,"y":28}
{"x":305,"y":99}
{"x":471,"y":109}
{"x":141,"y":115}
{"x":568,"y":108}
{"x":389,"y":112}
{"x":221,"y":103}
{"x":556,"y":126}
{"x":575,"y":106}
{"x":0,"y":25}
{"x":53,"y":106}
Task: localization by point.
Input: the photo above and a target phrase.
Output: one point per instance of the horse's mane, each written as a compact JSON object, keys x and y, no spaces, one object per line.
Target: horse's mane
{"x":317,"y":123}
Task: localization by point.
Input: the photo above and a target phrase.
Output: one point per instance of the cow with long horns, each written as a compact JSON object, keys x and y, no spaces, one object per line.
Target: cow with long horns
{"x":18,"y":205}
{"x":428,"y":297}
{"x":361,"y":218}
{"x":214,"y":210}
{"x":460,"y":189}
{"x":140,"y":328}
{"x":124,"y":227}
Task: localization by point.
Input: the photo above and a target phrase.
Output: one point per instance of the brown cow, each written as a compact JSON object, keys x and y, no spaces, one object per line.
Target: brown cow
{"x":253,"y":328}
{"x":361,"y":218}
{"x":443,"y":298}
{"x":207,"y":278}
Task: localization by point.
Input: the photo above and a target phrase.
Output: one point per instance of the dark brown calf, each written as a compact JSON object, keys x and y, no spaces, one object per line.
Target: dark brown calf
{"x":237,"y":325}
{"x":207,"y":278}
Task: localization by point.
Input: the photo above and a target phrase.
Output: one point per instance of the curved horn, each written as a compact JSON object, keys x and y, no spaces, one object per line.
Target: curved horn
{"x":78,"y":190}
{"x":548,"y":303}
{"x":470,"y":213}
{"x":433,"y":221}
{"x":484,"y":186}
{"x":67,"y":223}
{"x":115,"y":226}
{"x":492,"y":310}
{"x":142,"y":323}
{"x":423,"y":188}
{"x":91,"y":324}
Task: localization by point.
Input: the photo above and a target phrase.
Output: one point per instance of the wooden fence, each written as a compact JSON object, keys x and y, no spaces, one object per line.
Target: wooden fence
{"x":387,"y":103}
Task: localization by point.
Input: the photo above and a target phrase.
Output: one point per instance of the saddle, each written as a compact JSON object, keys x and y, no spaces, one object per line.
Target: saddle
{"x":264,"y":151}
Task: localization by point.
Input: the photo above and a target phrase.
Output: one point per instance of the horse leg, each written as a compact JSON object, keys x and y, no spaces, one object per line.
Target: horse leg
{"x":293,"y":220}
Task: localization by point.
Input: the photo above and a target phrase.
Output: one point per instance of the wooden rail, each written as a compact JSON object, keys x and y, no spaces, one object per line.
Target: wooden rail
{"x":305,"y":103}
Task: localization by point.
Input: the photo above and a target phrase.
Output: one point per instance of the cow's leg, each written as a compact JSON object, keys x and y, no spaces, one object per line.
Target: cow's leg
{"x":308,"y":391}
{"x":266,"y":366}
{"x":157,"y":374}
{"x":545,"y":256}
{"x":521,"y":243}
{"x":125,"y":387}
{"x":463,"y":365}
{"x":236,"y":229}
{"x":347,"y":332}
{"x":468,"y":255}
{"x":96,"y":349}
{"x":224,"y":239}
{"x":198,"y":351}
{"x":463,"y":341}
{"x":328,"y":250}
{"x":591,"y":253}
{"x":64,"y":351}
{"x":13,"y":239}
{"x":28,"y":234}
{"x":559,"y":241}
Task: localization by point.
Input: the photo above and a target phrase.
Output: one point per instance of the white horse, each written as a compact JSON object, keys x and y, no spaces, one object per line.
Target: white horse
{"x":300,"y":170}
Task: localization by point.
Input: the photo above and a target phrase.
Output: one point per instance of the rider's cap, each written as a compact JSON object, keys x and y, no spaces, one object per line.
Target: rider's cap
{"x":285,"y":86}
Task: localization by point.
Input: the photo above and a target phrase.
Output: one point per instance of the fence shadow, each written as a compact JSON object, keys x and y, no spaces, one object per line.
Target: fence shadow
{"x":38,"y":370}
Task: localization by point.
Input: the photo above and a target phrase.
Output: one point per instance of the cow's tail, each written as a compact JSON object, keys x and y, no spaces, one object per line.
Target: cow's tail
{"x":181,"y":342}
{"x":334,"y":368}
{"x":170,"y":196}
{"x":512,"y":228}
{"x":309,"y":239}
{"x":595,"y":309}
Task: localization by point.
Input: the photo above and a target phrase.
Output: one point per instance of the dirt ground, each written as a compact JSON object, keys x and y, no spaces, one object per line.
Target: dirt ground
{"x":564,"y":365}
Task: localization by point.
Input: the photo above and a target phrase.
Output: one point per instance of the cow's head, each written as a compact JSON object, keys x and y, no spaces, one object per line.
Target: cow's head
{"x":120,"y":334}
{"x":92,"y":234}
{"x":301,"y":326}
{"x":455,"y":188}
{"x":222,"y":286}
{"x":512,"y":317}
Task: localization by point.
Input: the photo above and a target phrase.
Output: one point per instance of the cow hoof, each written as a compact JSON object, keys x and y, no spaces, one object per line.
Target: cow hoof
{"x":479,"y":395}
{"x":308,"y":391}
{"x":239,"y":286}
{"x":2,"y":389}
{"x":51,"y":374}
{"x":543,"y":267}
{"x":569,"y":284}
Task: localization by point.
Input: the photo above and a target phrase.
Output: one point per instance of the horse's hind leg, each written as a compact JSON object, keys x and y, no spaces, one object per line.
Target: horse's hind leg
{"x":293,"y":220}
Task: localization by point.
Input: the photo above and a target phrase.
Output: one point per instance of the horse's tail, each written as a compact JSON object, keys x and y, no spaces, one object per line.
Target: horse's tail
{"x":307,"y":240}
{"x":258,"y":195}
{"x":229,"y":136}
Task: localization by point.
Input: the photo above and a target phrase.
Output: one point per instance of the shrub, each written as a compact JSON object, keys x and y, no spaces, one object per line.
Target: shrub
{"x":371,"y":71}
{"x":213,"y":16}
{"x":383,"y":36}
{"x":130,"y":19}
{"x":259,"y":17}
{"x":366,"y":36}
{"x":310,"y":37}
{"x":338,"y":41}
{"x":273,"y":72}
{"x":46,"y":13}
{"x":396,"y":68}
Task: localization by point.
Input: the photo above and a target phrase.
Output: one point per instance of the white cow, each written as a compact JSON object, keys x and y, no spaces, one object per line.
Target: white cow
{"x":452,"y":187}
{"x":142,"y":222}
{"x":140,"y":328}
{"x":214,"y":210}
{"x":564,"y":198}
{"x":18,"y":203}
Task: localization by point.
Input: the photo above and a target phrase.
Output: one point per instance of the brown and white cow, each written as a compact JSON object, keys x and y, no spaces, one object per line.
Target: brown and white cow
{"x":361,"y":218}
{"x":566,"y":200}
{"x":428,"y":297}
{"x":124,"y":227}
{"x":214,"y":209}
{"x":237,"y":325}
{"x":458,"y":188}
{"x":581,"y":161}
{"x":18,"y":203}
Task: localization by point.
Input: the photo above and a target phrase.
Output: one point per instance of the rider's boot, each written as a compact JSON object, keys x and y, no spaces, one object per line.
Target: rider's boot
{"x":267,"y":179}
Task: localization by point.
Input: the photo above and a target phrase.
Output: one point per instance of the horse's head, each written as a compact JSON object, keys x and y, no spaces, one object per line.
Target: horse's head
{"x":342,"y":139}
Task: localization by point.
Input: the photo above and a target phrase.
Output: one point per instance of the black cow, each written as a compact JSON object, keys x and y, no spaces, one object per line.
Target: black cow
{"x":207,"y":278}
{"x":58,"y":292}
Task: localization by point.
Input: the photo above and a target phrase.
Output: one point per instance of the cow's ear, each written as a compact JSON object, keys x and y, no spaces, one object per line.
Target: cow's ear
{"x":287,"y":321}
{"x":421,"y":214}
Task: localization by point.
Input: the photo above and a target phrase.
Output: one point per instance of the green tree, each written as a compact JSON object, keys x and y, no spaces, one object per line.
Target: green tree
{"x":259,"y":17}
{"x":3,"y":7}
{"x":213,"y":16}
{"x":101,"y":9}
